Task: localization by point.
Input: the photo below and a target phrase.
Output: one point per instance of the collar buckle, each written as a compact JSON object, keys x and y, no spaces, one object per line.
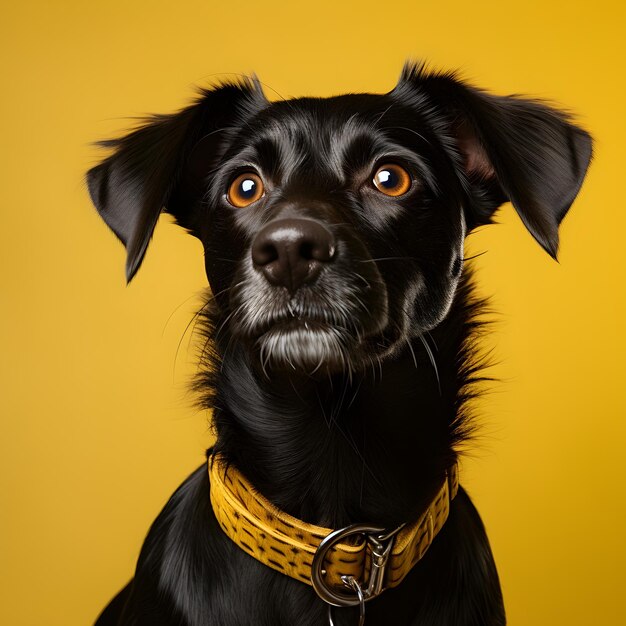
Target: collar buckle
{"x":379,"y":542}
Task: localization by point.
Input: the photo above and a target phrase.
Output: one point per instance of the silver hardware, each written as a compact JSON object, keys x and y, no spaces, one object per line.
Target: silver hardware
{"x":351,"y":582}
{"x":380,"y":543}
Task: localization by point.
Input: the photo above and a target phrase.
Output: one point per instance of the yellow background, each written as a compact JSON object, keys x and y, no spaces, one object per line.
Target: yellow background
{"x":96,"y":424}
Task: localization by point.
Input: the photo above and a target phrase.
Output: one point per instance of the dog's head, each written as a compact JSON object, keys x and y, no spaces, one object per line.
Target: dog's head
{"x":333,"y":228}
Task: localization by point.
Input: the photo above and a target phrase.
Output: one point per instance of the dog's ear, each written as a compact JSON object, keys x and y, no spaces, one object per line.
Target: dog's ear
{"x":512,"y":149}
{"x":147,"y":168}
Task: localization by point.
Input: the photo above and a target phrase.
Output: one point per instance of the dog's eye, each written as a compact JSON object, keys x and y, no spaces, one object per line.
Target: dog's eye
{"x":392,"y":180}
{"x":245,"y":189}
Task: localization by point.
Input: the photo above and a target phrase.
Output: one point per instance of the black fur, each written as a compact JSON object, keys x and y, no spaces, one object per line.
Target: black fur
{"x":345,"y":399}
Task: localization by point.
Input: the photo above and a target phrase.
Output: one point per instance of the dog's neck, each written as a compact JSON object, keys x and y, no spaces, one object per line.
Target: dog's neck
{"x":338,"y":451}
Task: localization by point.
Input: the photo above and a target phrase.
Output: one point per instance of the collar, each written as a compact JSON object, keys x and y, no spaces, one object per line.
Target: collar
{"x":359,"y":559}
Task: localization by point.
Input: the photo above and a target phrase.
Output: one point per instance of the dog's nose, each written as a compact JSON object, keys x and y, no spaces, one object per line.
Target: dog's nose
{"x":291,"y":252}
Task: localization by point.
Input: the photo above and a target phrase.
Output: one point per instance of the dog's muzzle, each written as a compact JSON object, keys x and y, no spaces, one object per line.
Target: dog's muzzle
{"x":308,"y":298}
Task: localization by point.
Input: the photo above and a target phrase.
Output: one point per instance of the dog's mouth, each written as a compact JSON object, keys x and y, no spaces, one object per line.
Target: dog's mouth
{"x":307,"y":345}
{"x":316,"y":330}
{"x":295,"y":324}
{"x":308,"y":341}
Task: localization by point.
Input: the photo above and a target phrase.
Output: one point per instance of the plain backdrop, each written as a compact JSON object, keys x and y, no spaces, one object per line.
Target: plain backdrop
{"x":97,"y":427}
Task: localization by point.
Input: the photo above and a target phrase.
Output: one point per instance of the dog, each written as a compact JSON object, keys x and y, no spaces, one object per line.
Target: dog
{"x":340,"y":342}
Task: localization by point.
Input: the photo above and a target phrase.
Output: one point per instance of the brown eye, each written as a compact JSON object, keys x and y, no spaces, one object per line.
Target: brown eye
{"x":392,"y":180}
{"x":245,"y":189}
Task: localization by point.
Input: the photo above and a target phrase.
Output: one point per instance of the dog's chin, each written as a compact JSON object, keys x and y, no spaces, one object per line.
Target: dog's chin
{"x":307,"y":348}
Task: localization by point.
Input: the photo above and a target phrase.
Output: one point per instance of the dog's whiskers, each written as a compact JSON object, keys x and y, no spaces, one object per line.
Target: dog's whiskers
{"x":430,"y":336}
{"x":474,"y":256}
{"x":174,"y":311}
{"x":408,"y":343}
{"x":192,"y":321}
{"x":431,"y":356}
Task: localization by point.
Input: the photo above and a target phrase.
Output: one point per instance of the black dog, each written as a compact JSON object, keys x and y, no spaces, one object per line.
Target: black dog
{"x":340,"y":336}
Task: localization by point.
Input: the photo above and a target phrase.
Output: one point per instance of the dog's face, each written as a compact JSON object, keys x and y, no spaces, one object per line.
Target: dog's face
{"x":333,"y":228}
{"x":335,"y":231}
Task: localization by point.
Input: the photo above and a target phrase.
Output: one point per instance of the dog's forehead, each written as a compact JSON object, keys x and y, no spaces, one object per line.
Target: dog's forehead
{"x":324,"y":133}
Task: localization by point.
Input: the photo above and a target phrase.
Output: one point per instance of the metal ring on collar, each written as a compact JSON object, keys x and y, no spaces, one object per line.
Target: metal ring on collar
{"x":375,"y":536}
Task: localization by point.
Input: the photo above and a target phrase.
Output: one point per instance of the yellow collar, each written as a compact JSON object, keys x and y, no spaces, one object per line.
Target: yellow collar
{"x":372,"y":559}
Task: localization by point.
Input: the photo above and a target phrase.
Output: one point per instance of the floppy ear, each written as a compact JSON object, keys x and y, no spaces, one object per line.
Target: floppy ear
{"x":145,"y":172}
{"x":512,"y":149}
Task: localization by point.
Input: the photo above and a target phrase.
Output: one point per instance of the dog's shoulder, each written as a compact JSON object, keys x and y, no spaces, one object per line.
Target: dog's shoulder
{"x":190,"y":572}
{"x":147,"y":599}
{"x":172,"y":555}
